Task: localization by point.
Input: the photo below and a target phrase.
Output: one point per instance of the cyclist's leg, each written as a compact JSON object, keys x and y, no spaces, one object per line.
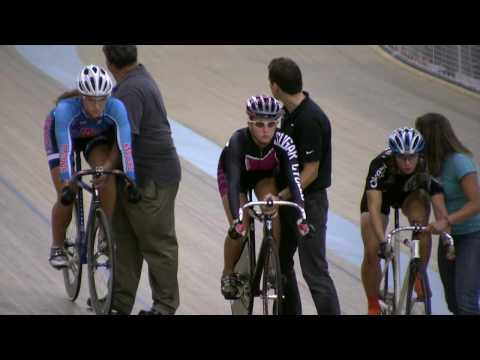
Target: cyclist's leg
{"x":232,"y":248}
{"x":263,"y":188}
{"x":416,"y":207}
{"x":371,"y":271}
{"x":97,"y":156}
{"x":61,"y":215}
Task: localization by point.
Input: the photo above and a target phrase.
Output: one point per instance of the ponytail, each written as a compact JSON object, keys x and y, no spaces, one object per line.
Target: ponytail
{"x":67,"y":95}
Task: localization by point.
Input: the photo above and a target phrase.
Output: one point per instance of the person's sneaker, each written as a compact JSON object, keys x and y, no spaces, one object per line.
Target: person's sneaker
{"x":149,"y":312}
{"x":58,"y":258}
{"x":229,"y":287}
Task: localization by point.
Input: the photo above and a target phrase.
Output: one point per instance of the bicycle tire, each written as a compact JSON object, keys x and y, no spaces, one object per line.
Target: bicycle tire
{"x":243,"y":305}
{"x":101,"y":304}
{"x":388,"y":293}
{"x":72,"y":274}
{"x":272,"y":280}
{"x":417,"y":268}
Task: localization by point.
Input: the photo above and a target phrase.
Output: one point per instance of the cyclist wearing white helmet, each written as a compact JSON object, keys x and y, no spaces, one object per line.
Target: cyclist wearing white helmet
{"x":87,"y":119}
{"x":254,"y":158}
{"x":396,"y":178}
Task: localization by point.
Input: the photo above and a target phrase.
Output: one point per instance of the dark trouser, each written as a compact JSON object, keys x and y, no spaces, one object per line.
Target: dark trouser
{"x":461,"y":277}
{"x":311,"y":251}
{"x":147,"y":231}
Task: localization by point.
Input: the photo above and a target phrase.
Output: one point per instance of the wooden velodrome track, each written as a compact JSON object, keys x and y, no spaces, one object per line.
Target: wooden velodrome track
{"x":364,"y":93}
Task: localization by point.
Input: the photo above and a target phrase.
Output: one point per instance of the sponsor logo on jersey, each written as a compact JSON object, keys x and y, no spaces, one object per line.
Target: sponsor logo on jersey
{"x":380,"y":173}
{"x":296,"y":177}
{"x":46,"y":134}
{"x":64,"y":158}
{"x":87,"y":132}
{"x":128,"y":157}
{"x":286,"y":143}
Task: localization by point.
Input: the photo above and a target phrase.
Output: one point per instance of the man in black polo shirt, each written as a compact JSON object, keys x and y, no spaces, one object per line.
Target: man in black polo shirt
{"x":310,"y":129}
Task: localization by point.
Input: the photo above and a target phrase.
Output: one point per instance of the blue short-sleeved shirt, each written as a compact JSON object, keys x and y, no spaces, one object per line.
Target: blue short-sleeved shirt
{"x":456,"y":166}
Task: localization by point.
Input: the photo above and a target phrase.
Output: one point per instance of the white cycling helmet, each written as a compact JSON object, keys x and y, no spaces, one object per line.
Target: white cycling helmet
{"x":406,"y":141}
{"x":264,"y":106}
{"x":94,"y":81}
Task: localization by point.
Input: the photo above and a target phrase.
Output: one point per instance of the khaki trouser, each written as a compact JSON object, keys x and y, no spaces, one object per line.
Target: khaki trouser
{"x":147,"y":231}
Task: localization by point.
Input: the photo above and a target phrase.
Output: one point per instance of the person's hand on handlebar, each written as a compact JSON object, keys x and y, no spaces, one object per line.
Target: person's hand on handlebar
{"x":439,"y":226}
{"x":133,"y":193}
{"x":303,"y":227}
{"x":237,"y":230}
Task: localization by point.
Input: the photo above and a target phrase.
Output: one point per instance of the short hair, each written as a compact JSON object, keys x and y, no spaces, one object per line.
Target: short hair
{"x":286,"y":74}
{"x":120,"y":55}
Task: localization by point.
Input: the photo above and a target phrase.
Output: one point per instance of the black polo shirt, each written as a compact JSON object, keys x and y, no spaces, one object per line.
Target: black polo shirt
{"x":310,"y":129}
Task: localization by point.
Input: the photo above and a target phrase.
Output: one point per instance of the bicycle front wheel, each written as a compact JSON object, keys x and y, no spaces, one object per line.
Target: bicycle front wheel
{"x":419,"y":303}
{"x":272,"y":287}
{"x":101,"y":252}
{"x":72,"y":274}
{"x":244,"y":305}
{"x":388,"y":295}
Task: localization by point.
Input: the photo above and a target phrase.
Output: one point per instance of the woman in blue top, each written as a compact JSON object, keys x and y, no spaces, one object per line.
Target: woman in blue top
{"x":453,"y":164}
{"x":87,"y":119}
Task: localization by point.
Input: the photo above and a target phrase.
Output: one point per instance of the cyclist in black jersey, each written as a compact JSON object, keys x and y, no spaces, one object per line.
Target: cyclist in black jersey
{"x":396,"y":178}
{"x":252,"y":159}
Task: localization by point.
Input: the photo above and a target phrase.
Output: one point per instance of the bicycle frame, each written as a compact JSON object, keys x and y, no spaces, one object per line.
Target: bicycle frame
{"x":82,"y":243}
{"x":414,"y":245}
{"x":267,"y":220}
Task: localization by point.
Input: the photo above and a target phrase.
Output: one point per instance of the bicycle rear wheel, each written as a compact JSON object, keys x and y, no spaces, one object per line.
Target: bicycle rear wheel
{"x":72,"y":274}
{"x":101,"y":251}
{"x":244,"y":305}
{"x":387,"y":294}
{"x":272,"y":287}
{"x":418,"y":305}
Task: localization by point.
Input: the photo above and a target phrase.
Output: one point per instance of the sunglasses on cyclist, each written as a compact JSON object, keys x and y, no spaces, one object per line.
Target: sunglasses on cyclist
{"x":410,"y":158}
{"x":261,"y":124}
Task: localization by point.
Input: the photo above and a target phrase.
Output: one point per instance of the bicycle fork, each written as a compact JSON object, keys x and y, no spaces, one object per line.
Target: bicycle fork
{"x":414,"y":245}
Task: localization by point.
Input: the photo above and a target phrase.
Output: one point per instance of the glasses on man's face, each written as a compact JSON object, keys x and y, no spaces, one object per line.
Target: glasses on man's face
{"x":261,"y":124}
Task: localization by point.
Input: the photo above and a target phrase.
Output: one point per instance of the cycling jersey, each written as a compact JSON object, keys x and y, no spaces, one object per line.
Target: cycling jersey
{"x":395,"y":187}
{"x":242,"y":164}
{"x":69,"y":123}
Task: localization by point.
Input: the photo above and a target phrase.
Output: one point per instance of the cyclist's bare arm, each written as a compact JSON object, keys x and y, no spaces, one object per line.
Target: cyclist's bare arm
{"x":374,"y":198}
{"x":307,"y":176}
